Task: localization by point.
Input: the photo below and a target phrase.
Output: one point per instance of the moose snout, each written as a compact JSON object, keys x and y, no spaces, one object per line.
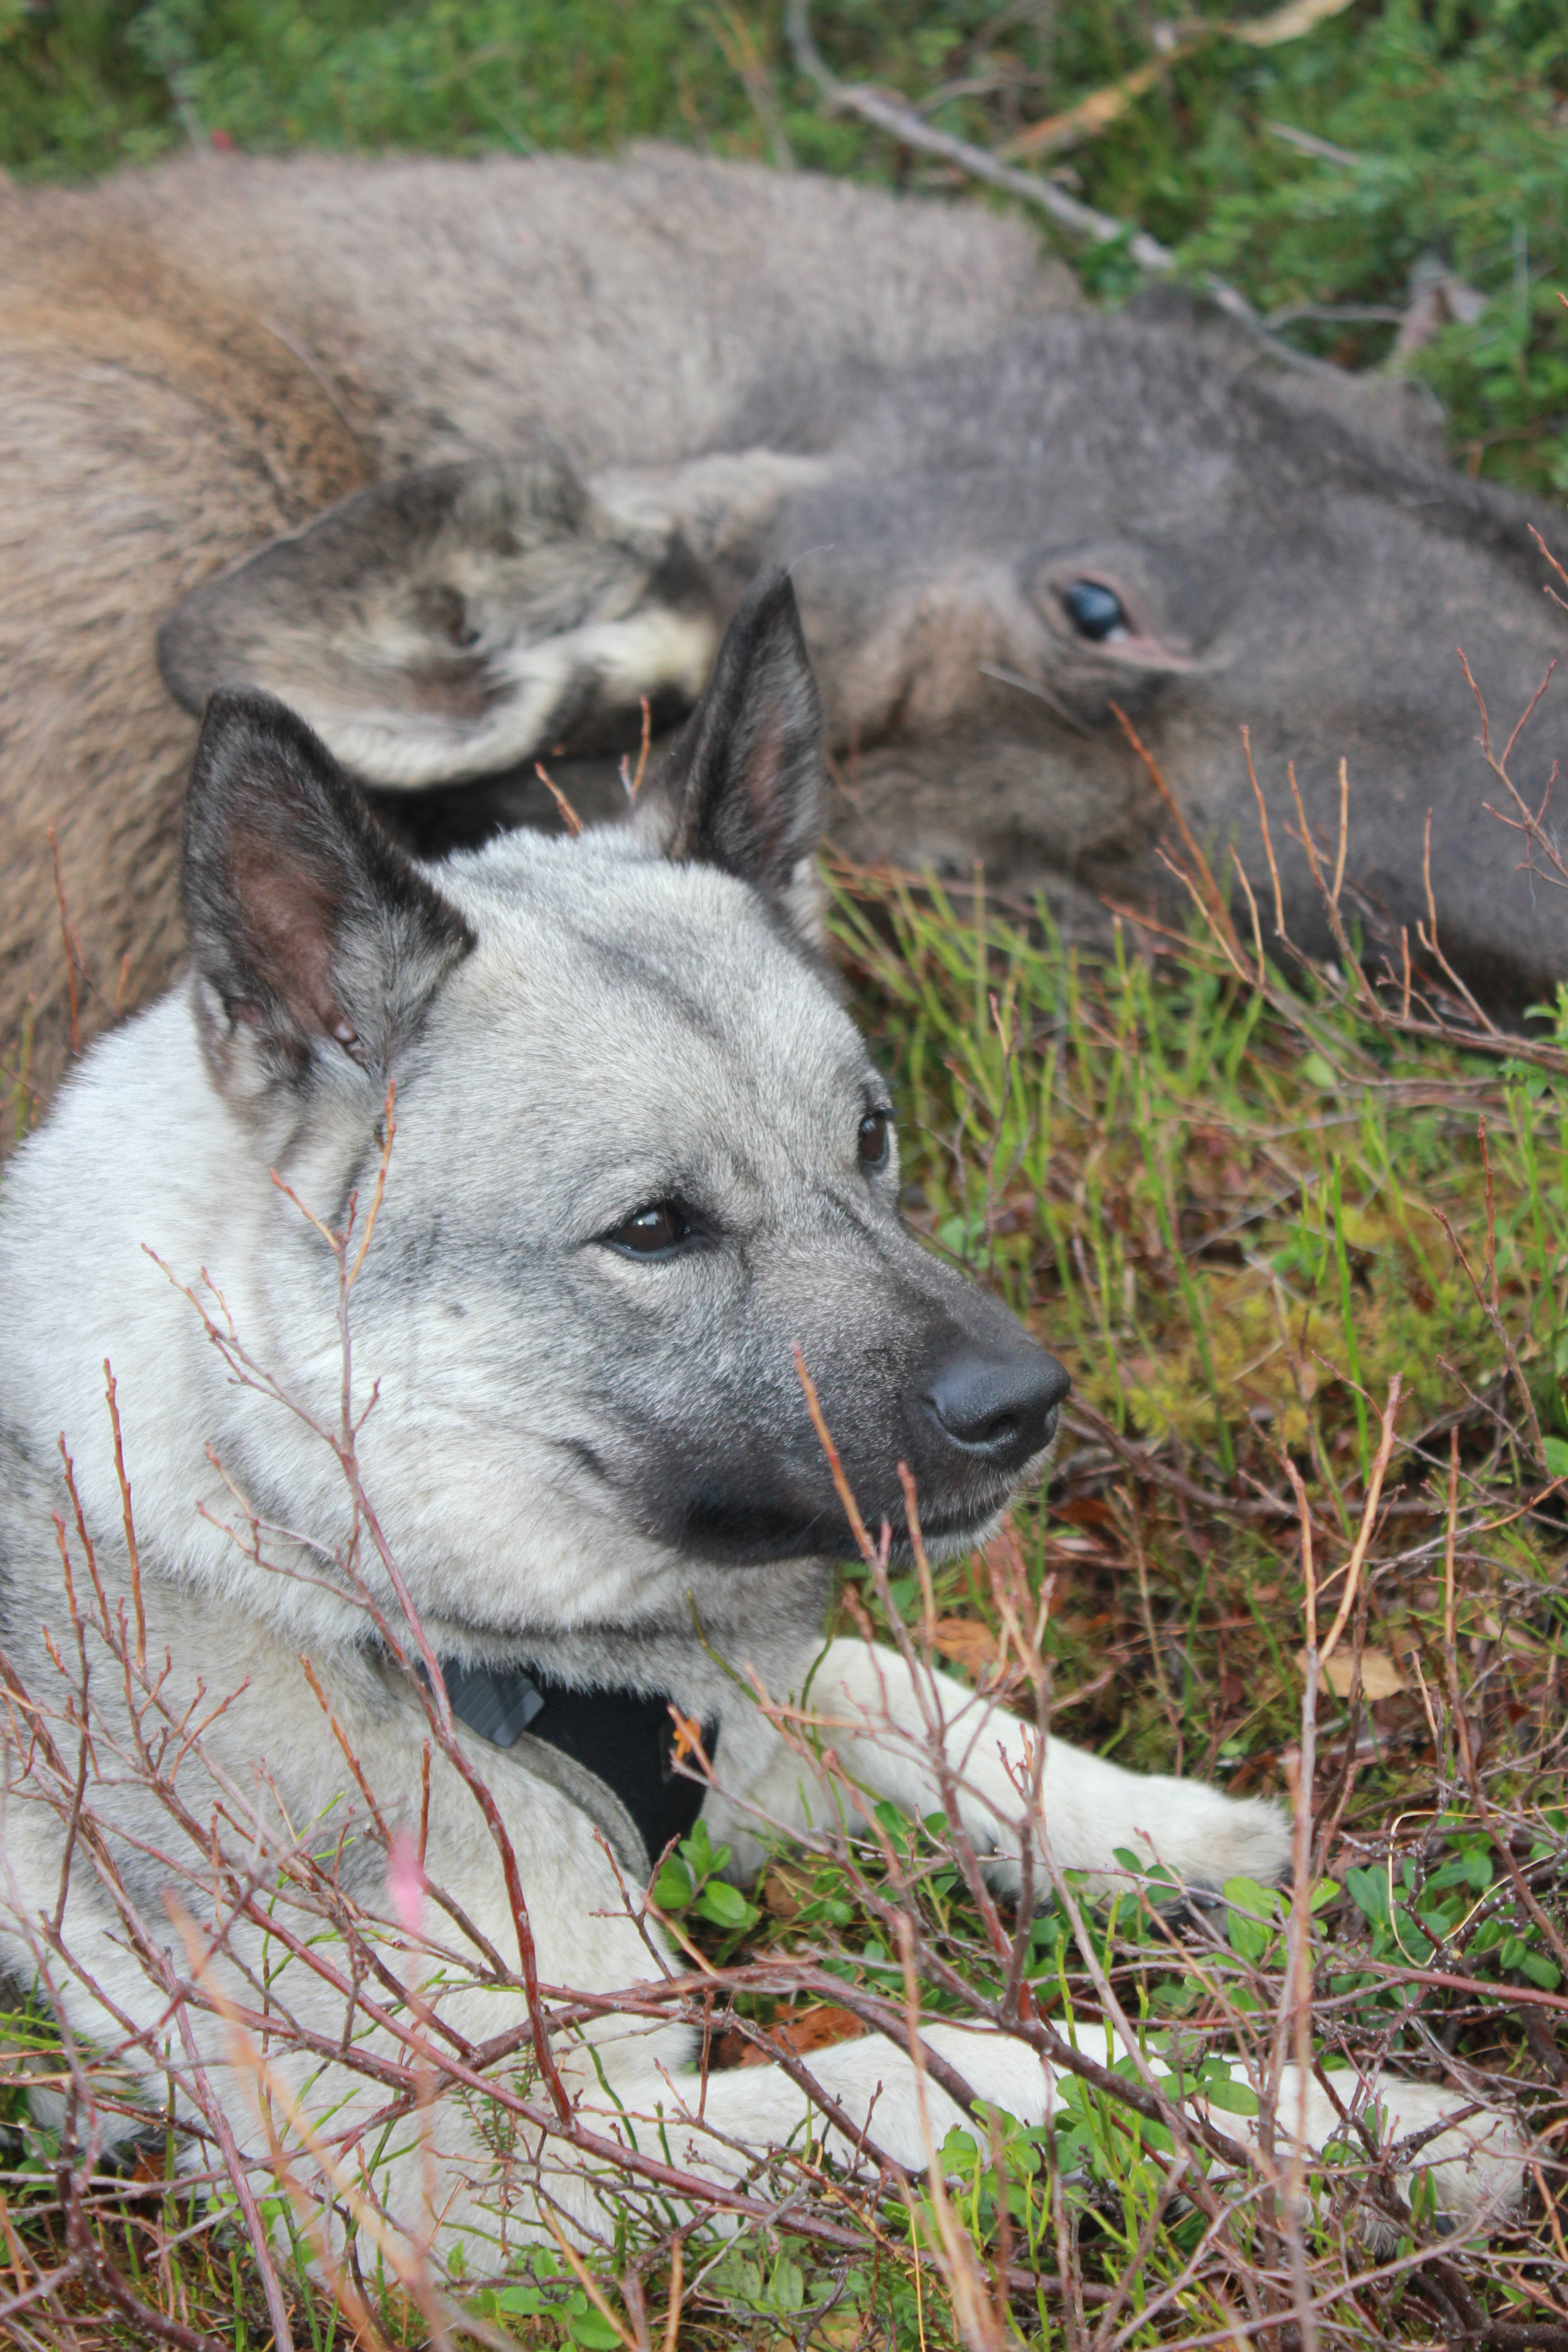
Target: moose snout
{"x":997,"y":1409}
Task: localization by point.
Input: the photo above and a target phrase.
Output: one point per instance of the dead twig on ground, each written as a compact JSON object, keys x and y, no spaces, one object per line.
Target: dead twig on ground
{"x":1076,"y":220}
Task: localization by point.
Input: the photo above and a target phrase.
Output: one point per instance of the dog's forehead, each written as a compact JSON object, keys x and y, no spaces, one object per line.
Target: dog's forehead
{"x":608,"y":974}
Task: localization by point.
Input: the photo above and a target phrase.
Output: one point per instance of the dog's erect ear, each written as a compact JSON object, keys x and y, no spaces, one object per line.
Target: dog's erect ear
{"x":453,"y":623}
{"x":744,"y":784}
{"x":318,"y":939}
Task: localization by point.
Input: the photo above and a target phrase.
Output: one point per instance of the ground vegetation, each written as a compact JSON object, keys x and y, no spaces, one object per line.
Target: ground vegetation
{"x":1302,"y":1238}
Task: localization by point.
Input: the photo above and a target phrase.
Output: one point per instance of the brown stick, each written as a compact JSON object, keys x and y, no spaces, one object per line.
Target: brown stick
{"x":130,"y":1524}
{"x":1216,"y":906}
{"x":1368,"y":1521}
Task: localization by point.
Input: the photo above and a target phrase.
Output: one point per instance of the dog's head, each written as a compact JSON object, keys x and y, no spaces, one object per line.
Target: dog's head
{"x":641,"y":1157}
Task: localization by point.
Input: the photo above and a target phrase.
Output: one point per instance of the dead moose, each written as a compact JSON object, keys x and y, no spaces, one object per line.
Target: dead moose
{"x":466,"y":460}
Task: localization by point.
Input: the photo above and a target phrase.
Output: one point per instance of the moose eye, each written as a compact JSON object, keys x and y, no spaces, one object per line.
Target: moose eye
{"x":875,"y":1128}
{"x":653,"y":1232}
{"x":1096,"y":612}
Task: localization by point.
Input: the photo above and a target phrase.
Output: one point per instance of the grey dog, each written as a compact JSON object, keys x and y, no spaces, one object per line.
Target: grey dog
{"x":640,"y":1153}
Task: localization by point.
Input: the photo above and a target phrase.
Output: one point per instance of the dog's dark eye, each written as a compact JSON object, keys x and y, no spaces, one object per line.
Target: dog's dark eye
{"x":653,"y":1232}
{"x":875,"y":1128}
{"x":1096,"y":612}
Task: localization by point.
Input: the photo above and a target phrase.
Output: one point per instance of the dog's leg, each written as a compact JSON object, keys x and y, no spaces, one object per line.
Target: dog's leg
{"x":882,"y":1719}
{"x":881,"y":1716}
{"x":633,"y":2078}
{"x":1476,"y":2162}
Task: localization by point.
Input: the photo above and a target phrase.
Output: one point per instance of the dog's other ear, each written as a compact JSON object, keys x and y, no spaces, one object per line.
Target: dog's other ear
{"x":452,"y":623}
{"x":320,"y":944}
{"x":744,"y":784}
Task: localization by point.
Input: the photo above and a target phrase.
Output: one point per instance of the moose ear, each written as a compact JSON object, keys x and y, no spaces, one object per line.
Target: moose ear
{"x":319,"y":942}
{"x":452,"y":623}
{"x":744,"y":784}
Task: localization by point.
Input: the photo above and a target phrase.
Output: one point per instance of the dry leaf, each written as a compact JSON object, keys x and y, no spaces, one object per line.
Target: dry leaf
{"x":785,"y":1893}
{"x":1380,"y":1678}
{"x":801,"y":2032}
{"x":1101,"y":107}
{"x":967,"y":1643}
{"x":1286,"y":24}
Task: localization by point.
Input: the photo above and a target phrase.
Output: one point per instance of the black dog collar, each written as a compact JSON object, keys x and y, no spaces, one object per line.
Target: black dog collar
{"x":624,"y":1740}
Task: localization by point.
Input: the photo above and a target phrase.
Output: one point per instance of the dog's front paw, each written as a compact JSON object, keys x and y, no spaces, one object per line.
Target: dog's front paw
{"x":1096,"y":1812}
{"x":1205,"y":1838}
{"x":1473,"y":2158}
{"x":1476,"y":2165}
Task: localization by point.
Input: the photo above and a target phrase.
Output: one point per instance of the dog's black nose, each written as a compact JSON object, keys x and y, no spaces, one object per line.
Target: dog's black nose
{"x":1000,"y":1409}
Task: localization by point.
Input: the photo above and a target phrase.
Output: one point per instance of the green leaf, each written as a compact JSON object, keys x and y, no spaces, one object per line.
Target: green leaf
{"x":673,"y":1889}
{"x":1556,"y":1452}
{"x":725,"y":1905}
{"x":699,"y":1856}
{"x":1542,"y":1971}
{"x":1415,"y":1948}
{"x":739,"y":2279}
{"x":786,"y":2288}
{"x":594,"y":2331}
{"x":1234,"y":2097}
{"x":1248,"y":1923}
{"x":1175,"y":1999}
{"x":1368,"y":1890}
{"x":521,"y":2302}
{"x":1248,"y":1895}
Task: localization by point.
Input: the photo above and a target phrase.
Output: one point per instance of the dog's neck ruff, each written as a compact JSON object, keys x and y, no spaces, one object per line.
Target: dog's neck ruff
{"x":623,"y":1741}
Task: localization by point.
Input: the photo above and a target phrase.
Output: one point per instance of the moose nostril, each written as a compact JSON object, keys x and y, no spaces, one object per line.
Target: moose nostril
{"x":1001,"y":1409}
